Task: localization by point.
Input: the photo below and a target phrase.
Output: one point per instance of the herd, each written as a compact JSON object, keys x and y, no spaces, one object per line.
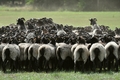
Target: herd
{"x":42,"y":45}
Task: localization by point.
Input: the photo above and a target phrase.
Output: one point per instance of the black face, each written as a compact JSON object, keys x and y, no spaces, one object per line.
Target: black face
{"x":20,"y":21}
{"x":93,"y":21}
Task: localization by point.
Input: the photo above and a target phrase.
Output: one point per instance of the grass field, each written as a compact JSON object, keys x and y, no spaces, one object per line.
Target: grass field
{"x":59,"y":76}
{"x":111,"y":19}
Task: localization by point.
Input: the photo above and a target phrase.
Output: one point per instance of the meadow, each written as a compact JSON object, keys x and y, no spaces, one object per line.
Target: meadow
{"x":112,"y":19}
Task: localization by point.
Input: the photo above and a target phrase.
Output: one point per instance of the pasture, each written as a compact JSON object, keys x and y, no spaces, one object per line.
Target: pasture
{"x":111,"y":19}
{"x":60,"y":76}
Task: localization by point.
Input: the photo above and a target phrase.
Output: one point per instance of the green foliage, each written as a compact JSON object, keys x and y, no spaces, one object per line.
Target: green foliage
{"x":29,"y":2}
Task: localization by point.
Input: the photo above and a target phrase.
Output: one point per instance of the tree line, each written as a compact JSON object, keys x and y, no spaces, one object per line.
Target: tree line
{"x":70,"y":5}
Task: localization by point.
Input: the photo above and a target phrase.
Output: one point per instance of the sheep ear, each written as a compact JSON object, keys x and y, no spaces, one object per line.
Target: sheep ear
{"x":95,"y":19}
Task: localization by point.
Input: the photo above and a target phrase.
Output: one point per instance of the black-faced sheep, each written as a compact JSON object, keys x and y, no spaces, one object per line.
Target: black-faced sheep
{"x":97,"y":55}
{"x":2,"y":45}
{"x":47,"y":53}
{"x":11,"y":54}
{"x":80,"y":53}
{"x":112,"y":55}
{"x":32,"y":56}
{"x":24,"y":55}
{"x":64,"y":56}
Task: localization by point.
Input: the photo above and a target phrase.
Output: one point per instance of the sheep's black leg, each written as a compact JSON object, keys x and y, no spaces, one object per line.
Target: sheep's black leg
{"x":83,"y":66}
{"x":30,"y":65}
{"x":116,"y":64}
{"x":108,"y":63}
{"x":61,"y":64}
{"x":36,"y":66}
{"x":104,"y":64}
{"x":4,"y":65}
{"x":100,"y":66}
{"x":75,"y":67}
{"x":46,"y":66}
{"x":94,"y":66}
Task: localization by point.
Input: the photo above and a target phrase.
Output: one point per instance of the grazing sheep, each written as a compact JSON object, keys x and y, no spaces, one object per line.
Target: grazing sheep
{"x":11,"y":54}
{"x":112,"y":55}
{"x":97,"y":55}
{"x":80,"y":53}
{"x":24,"y":54}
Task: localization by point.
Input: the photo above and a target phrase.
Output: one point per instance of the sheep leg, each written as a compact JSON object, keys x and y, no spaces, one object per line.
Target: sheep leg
{"x":100,"y":66}
{"x":75,"y":67}
{"x":94,"y":66}
{"x":30,"y":65}
{"x":83,"y":67}
{"x":104,"y":64}
{"x":116,"y":64}
{"x":61,"y":64}
{"x":36,"y":66}
{"x":46,"y":66}
{"x":108,"y":63}
{"x":4,"y":65}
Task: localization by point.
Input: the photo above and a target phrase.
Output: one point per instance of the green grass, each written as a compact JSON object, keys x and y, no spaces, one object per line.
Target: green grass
{"x":111,"y":19}
{"x":59,"y":76}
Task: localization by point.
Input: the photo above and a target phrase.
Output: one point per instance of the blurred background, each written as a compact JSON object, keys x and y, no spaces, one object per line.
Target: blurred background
{"x":64,"y":5}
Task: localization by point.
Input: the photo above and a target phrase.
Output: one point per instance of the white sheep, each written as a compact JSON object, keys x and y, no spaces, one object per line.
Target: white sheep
{"x":32,"y":56}
{"x":11,"y":53}
{"x":80,"y":53}
{"x":63,"y":53}
{"x":97,"y":55}
{"x":24,"y":54}
{"x":47,"y":51}
{"x":112,"y":55}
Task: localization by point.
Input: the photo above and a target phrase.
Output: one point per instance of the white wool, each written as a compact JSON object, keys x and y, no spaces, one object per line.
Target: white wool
{"x":85,"y":54}
{"x":14,"y":51}
{"x":65,"y":51}
{"x":61,"y":32}
{"x":35,"y":50}
{"x":102,"y":51}
{"x":115,"y":48}
{"x":49,"y":51}
{"x":2,"y":45}
{"x":23,"y":47}
{"x":73,"y":47}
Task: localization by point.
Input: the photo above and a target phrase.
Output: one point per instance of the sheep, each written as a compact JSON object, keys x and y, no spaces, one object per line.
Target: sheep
{"x":11,"y":54}
{"x":47,"y":51}
{"x":60,"y":30}
{"x":64,"y":56}
{"x":47,"y":55}
{"x":97,"y":55}
{"x":20,"y":24}
{"x":2,"y":45}
{"x":32,"y":56}
{"x":24,"y":54}
{"x":80,"y":53}
{"x":112,"y":54}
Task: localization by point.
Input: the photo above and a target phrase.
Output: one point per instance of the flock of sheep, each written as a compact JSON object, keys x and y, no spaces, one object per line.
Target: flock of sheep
{"x":42,"y":45}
